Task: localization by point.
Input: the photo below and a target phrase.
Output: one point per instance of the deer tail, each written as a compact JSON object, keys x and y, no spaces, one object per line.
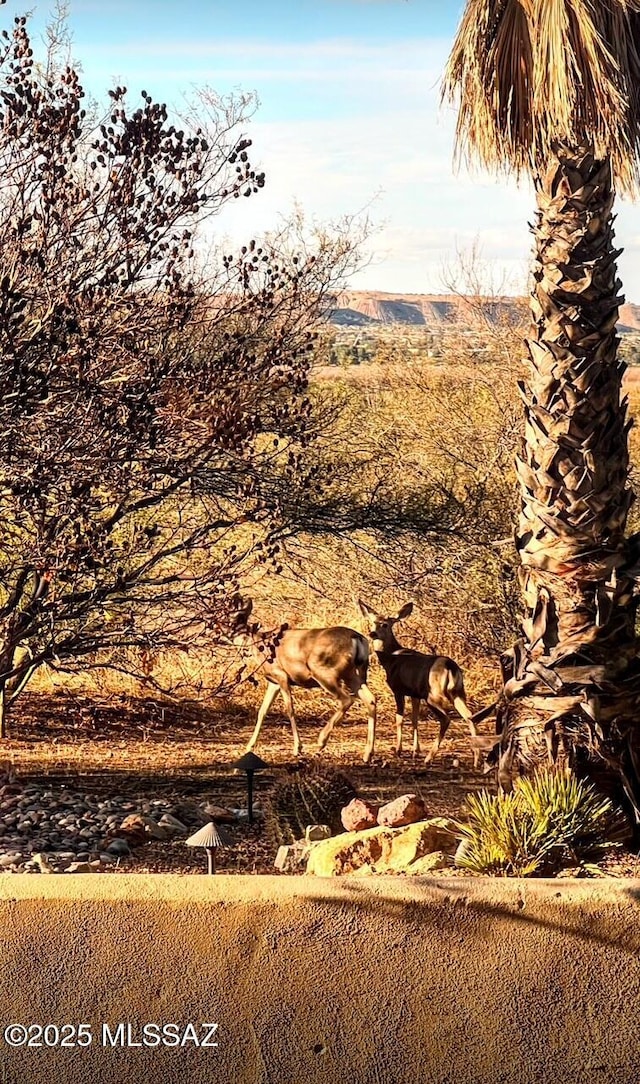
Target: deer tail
{"x":457,"y":692}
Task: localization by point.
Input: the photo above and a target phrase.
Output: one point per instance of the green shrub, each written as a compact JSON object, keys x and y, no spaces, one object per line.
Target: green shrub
{"x":546,"y":822}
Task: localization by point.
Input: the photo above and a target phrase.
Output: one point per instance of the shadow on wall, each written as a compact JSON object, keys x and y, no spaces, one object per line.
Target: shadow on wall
{"x":386,"y":981}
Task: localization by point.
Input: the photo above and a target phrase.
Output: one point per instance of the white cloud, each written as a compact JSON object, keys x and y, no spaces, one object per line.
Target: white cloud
{"x":373,"y":135}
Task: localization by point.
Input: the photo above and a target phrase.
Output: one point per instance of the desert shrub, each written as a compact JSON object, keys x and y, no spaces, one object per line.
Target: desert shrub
{"x":546,"y":822}
{"x":417,"y":500}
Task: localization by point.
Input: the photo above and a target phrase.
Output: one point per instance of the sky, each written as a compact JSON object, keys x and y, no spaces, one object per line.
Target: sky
{"x":349,"y":122}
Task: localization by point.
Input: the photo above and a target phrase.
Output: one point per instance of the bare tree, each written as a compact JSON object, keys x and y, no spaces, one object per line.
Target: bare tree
{"x":129,"y":369}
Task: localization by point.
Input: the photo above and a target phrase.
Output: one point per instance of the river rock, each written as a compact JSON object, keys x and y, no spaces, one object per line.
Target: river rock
{"x":118,"y":847}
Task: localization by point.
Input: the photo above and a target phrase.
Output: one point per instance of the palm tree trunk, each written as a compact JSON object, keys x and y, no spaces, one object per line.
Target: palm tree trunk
{"x":572,"y":684}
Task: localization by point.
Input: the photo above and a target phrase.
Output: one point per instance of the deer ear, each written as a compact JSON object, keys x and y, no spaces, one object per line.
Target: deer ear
{"x":405,"y":611}
{"x":364,"y":609}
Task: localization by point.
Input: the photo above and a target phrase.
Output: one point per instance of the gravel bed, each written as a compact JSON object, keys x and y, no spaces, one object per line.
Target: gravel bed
{"x":59,"y":829}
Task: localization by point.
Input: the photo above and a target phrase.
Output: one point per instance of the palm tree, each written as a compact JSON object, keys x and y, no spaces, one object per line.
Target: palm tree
{"x":551,"y":88}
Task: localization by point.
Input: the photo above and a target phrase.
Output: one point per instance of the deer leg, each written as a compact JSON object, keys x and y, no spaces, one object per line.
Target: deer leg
{"x":369,"y":700}
{"x":460,"y":705}
{"x":288,"y":707}
{"x":415,"y":714}
{"x":270,"y":694}
{"x":346,"y":700}
{"x":444,"y":721}
{"x":399,"y":698}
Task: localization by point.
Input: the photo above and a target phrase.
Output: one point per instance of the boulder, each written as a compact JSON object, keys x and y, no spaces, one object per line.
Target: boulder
{"x":429,"y":863}
{"x":359,"y":815}
{"x":385,"y":850}
{"x":407,"y":809}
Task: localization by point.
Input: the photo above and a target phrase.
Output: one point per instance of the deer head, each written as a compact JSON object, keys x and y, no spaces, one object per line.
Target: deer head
{"x":239,"y":613}
{"x":380,"y":627}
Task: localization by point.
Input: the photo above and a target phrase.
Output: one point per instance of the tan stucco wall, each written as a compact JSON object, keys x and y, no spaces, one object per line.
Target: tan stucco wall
{"x":384,"y":981}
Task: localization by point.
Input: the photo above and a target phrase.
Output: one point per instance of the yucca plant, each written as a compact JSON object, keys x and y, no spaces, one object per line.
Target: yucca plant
{"x":550,"y":88}
{"x":548,"y":821}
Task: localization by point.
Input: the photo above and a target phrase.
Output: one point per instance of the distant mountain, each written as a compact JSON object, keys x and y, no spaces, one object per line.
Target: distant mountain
{"x":362,"y":308}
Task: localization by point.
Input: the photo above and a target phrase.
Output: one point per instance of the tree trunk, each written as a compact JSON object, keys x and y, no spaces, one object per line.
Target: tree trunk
{"x":572,"y":684}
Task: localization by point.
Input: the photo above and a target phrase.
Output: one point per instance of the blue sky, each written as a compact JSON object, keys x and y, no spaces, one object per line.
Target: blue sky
{"x":349,"y":118}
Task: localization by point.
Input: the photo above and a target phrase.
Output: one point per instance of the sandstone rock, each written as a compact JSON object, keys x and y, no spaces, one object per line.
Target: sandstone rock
{"x":407,"y":809}
{"x":131,"y":830}
{"x":292,"y":857}
{"x":430,"y":863}
{"x":313,"y":833}
{"x":383,"y":849}
{"x":359,"y":815}
{"x":80,"y":867}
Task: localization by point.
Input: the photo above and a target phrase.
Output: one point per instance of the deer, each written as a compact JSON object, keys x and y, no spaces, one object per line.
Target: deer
{"x":434,"y":678}
{"x":333,"y":659}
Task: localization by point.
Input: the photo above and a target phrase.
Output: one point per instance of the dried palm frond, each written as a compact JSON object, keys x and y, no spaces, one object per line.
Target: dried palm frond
{"x":534,"y":74}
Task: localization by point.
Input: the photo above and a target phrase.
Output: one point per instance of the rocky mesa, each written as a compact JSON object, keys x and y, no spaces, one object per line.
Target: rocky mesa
{"x":362,"y":308}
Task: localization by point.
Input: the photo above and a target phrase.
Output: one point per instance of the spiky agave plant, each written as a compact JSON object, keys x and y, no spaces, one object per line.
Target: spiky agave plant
{"x":551,"y":88}
{"x":546,"y":822}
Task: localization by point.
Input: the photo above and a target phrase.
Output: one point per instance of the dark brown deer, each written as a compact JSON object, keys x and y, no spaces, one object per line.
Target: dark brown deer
{"x":434,"y":678}
{"x":334,"y":659}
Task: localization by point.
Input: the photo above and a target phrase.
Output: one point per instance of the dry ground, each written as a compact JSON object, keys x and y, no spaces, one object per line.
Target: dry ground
{"x":138,"y":748}
{"x":141,"y":749}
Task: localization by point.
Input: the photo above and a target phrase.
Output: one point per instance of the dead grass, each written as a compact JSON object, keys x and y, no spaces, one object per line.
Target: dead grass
{"x":106,"y":732}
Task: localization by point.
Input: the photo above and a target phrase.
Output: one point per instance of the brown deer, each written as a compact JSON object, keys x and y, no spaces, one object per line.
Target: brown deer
{"x":334,"y":659}
{"x":434,"y":678}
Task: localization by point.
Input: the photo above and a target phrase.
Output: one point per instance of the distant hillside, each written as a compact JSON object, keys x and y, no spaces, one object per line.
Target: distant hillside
{"x":362,"y":308}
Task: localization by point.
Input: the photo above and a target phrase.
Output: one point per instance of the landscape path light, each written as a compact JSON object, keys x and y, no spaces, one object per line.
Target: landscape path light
{"x":211,"y":838}
{"x":250,"y":763}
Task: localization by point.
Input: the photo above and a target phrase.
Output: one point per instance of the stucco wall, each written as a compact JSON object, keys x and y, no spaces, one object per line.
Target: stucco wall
{"x":383,"y":981}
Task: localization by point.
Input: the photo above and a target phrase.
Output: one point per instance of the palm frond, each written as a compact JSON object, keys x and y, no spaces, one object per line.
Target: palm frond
{"x":532,"y":75}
